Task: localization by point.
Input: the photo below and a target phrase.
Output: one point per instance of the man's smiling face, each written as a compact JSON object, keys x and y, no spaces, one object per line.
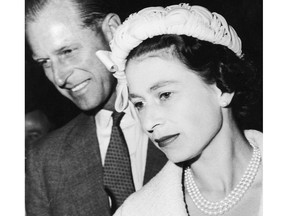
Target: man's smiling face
{"x":66,"y":50}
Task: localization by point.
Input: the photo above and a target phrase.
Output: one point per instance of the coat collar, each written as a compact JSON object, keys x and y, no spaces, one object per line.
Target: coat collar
{"x":82,"y":165}
{"x":162,"y":196}
{"x":155,"y":161}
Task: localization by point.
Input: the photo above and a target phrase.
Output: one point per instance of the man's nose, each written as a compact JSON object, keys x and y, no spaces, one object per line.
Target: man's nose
{"x":61,"y":72}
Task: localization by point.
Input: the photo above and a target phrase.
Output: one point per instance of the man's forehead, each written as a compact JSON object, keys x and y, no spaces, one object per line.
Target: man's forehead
{"x":54,"y":36}
{"x":53,"y":28}
{"x":64,"y":11}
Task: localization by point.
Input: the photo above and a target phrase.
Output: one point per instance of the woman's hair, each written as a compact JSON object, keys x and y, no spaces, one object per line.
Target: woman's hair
{"x":214,"y":64}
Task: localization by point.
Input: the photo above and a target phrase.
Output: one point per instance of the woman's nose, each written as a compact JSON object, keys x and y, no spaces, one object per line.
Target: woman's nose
{"x":152,"y":118}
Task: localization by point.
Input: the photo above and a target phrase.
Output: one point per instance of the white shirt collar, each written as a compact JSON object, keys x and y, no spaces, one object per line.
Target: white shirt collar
{"x":103,"y":117}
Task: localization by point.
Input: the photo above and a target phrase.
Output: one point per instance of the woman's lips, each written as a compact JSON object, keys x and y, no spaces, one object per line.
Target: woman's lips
{"x":166,"y":140}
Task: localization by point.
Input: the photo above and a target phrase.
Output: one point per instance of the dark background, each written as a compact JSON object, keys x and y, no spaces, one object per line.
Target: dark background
{"x":246,"y":16}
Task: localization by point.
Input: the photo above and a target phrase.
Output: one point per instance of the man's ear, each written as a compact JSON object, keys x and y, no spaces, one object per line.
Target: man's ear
{"x":109,"y":25}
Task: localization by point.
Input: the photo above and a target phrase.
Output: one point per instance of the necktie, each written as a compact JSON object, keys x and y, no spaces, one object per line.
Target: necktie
{"x":118,"y":180}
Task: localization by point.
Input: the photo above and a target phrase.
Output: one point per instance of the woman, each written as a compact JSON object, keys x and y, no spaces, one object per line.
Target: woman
{"x":189,"y":83}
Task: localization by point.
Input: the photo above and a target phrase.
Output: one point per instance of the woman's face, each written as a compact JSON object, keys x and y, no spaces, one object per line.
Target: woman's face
{"x":179,"y":112}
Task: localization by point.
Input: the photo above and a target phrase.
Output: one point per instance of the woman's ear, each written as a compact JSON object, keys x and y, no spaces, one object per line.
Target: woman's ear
{"x":109,"y":25}
{"x":225,"y":99}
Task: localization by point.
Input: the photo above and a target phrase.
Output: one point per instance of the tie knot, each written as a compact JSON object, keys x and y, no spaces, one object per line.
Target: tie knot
{"x":117,"y":117}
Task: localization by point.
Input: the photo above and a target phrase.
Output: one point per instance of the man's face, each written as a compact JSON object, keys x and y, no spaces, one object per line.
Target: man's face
{"x":36,"y":125}
{"x":67,"y":52}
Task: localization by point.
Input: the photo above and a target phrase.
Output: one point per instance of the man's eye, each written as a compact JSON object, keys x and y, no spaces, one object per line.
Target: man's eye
{"x":33,"y":136}
{"x":165,"y":95}
{"x":45,"y":63}
{"x":66,"y":52}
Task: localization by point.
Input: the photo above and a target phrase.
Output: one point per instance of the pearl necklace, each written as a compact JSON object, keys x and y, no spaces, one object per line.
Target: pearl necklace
{"x":220,"y":207}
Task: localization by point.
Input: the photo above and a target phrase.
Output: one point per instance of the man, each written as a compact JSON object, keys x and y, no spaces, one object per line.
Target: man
{"x":65,"y":170}
{"x":37,"y":125}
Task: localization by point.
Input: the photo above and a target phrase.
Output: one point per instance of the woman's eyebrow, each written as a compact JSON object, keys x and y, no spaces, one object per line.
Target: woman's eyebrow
{"x":131,"y":95}
{"x":161,"y":84}
{"x":155,"y":86}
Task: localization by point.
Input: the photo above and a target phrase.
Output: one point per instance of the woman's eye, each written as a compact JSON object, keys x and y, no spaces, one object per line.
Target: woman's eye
{"x":165,"y":95}
{"x":138,"y":105}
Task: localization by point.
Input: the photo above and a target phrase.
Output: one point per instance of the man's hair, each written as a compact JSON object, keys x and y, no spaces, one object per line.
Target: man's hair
{"x":92,"y":12}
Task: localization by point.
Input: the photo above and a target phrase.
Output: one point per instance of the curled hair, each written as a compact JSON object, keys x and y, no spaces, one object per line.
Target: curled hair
{"x":214,"y":64}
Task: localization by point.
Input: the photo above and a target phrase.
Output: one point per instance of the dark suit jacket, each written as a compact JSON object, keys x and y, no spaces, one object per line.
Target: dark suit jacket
{"x":64,"y":172}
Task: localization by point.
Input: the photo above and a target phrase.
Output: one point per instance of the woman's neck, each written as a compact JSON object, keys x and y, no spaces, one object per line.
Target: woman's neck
{"x":223,"y":162}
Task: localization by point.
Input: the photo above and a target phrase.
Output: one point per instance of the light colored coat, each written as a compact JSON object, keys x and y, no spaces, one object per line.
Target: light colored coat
{"x":163,"y":195}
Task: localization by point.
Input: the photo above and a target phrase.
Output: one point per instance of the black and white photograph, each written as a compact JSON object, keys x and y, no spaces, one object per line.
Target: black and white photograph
{"x":146,"y":107}
{"x":143,"y":108}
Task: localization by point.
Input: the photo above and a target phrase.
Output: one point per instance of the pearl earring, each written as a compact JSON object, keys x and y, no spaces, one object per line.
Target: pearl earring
{"x":224,"y":104}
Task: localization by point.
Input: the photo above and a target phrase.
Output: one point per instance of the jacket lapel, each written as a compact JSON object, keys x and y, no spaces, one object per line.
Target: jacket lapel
{"x":83,"y":176}
{"x":156,"y":159}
